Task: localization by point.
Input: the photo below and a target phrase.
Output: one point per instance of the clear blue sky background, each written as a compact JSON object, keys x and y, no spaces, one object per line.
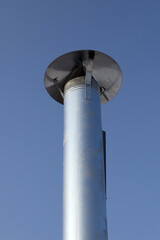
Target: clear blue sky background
{"x":32,"y":34}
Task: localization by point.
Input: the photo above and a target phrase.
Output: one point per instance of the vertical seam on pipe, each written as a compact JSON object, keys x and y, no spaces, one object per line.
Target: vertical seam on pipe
{"x":76,"y":166}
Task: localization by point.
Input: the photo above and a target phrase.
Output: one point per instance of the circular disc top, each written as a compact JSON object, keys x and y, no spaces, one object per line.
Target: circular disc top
{"x":74,"y":64}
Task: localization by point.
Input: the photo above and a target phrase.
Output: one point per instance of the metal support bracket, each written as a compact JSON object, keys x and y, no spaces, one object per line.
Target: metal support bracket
{"x":56,"y":83}
{"x":102,"y":91}
{"x":104,"y":155}
{"x":88,"y":78}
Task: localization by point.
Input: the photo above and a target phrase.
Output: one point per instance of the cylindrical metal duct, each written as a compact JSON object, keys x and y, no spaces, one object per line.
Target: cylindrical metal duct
{"x":84,"y":204}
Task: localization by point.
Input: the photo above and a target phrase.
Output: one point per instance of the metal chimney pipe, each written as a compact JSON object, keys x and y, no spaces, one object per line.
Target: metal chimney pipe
{"x":84,"y":203}
{"x":82,"y":80}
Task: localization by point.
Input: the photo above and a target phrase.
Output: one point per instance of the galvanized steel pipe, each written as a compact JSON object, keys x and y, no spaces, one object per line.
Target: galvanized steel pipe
{"x":84,"y":203}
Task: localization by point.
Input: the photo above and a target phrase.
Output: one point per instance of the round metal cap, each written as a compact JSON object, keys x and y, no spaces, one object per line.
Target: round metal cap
{"x":75,"y":64}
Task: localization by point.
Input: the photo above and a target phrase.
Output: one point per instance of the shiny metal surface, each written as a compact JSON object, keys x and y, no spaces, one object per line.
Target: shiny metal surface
{"x":84,"y":203}
{"x":74,"y":64}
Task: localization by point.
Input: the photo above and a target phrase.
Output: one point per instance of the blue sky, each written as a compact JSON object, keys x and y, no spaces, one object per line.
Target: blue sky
{"x":32,"y":34}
